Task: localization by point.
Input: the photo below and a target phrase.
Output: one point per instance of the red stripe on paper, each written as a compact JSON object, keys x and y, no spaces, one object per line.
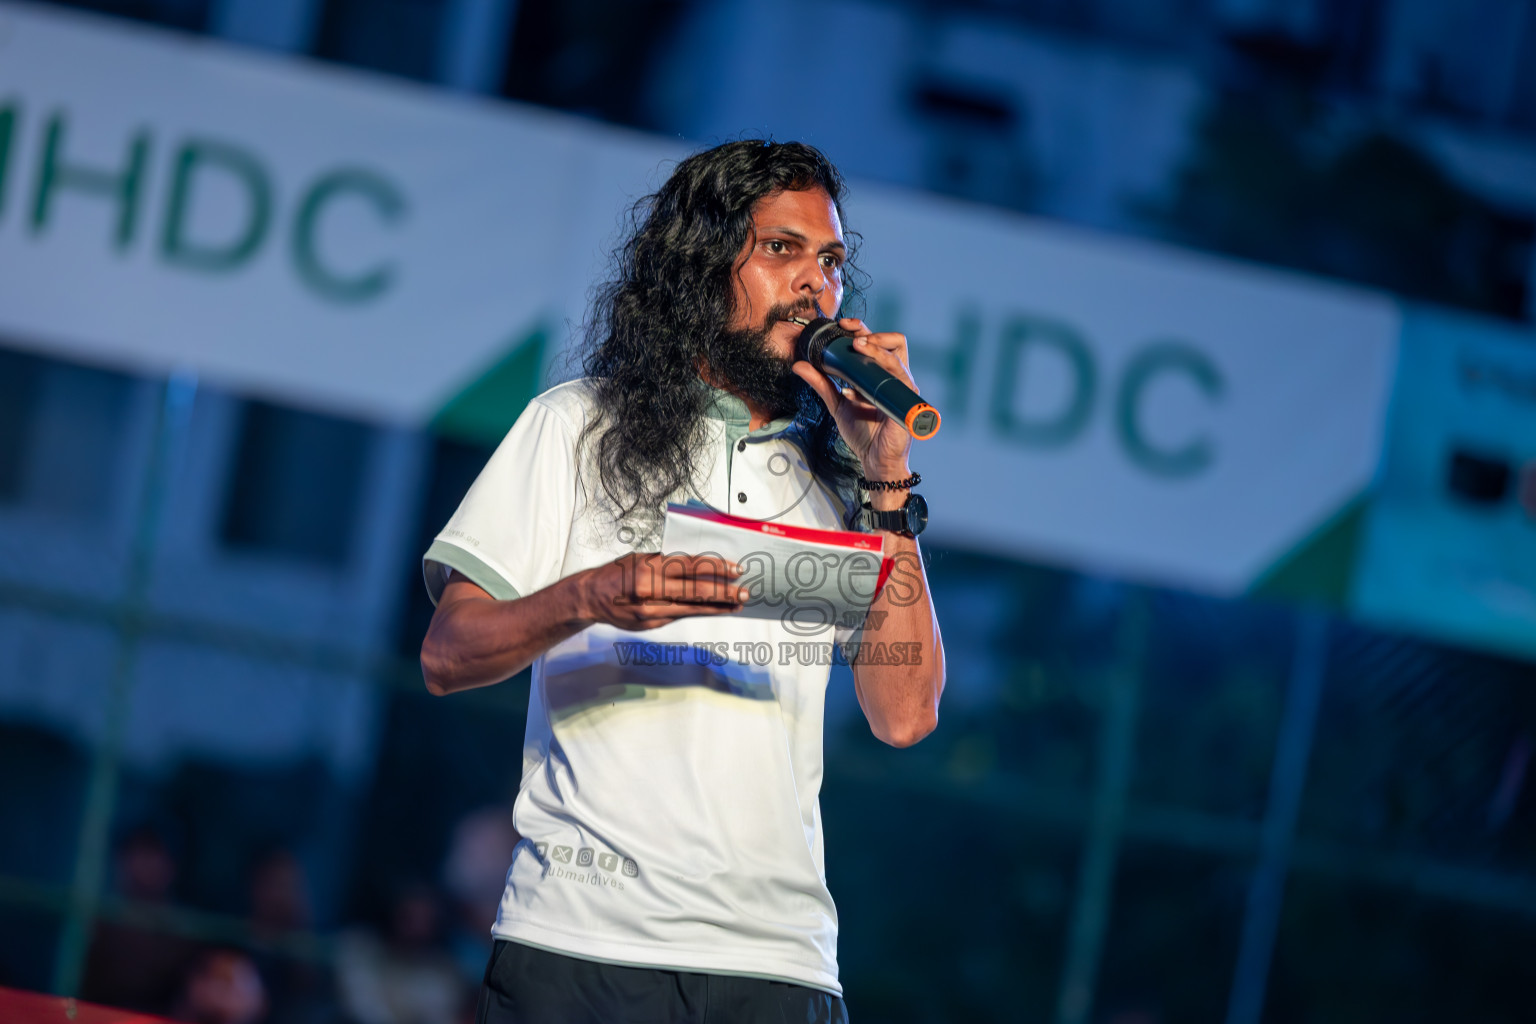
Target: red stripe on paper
{"x":885,"y":574}
{"x":809,"y":534}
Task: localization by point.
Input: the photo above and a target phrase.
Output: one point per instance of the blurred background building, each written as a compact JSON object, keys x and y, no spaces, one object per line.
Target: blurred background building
{"x":1199,"y":760}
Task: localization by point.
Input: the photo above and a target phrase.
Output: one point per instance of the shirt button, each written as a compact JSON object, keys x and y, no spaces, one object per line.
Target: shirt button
{"x":741,"y":446}
{"x":741,"y":496}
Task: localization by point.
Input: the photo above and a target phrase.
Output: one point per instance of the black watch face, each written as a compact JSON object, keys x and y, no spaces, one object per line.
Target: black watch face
{"x":917,"y":513}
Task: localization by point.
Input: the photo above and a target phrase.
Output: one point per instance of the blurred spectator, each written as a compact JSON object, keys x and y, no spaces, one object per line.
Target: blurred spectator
{"x":474,"y":875}
{"x":298,"y":992}
{"x":407,"y":978}
{"x":223,"y":987}
{"x":137,"y":966}
{"x":280,"y":893}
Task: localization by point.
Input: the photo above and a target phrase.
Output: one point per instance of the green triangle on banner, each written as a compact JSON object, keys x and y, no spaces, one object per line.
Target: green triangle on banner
{"x":485,"y":410}
{"x":1319,"y":569}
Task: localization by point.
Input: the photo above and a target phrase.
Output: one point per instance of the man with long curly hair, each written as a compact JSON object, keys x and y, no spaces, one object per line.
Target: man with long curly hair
{"x":671,"y":862}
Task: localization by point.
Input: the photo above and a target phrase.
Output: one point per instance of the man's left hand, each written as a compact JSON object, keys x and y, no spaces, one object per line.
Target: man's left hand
{"x":881,"y":443}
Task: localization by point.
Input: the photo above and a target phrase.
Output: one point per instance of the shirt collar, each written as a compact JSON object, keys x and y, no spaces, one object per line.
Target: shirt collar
{"x":733,"y":412}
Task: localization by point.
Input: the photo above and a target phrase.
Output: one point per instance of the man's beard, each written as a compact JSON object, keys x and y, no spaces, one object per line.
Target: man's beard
{"x":740,"y":361}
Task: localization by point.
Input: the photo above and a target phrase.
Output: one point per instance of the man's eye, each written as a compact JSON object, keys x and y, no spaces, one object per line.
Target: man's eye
{"x":775,"y":246}
{"x":830,"y":262}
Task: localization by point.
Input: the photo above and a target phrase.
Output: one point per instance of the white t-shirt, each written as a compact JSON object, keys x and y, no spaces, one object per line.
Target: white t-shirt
{"x":668,"y":801}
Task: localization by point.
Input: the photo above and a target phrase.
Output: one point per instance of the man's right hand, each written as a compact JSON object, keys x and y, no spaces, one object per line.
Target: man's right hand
{"x":639,"y":592}
{"x":476,"y":640}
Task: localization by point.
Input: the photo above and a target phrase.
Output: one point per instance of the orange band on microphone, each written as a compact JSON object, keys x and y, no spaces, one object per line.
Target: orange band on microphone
{"x":927,"y":428}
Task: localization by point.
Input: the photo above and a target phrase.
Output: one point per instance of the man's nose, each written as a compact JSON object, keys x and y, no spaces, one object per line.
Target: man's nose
{"x":811,"y":283}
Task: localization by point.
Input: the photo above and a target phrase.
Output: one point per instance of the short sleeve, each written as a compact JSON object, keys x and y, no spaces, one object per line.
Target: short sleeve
{"x":510,"y":533}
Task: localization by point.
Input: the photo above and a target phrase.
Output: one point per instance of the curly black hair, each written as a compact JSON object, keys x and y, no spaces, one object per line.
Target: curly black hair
{"x":653,"y":324}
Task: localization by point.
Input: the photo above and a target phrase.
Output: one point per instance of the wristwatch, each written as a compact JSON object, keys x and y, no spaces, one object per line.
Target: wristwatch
{"x":909,"y":520}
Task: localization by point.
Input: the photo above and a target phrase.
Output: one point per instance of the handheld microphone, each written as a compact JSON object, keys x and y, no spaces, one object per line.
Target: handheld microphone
{"x":828,"y":346}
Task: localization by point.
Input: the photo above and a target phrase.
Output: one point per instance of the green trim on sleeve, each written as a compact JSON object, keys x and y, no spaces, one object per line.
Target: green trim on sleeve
{"x":443,"y":556}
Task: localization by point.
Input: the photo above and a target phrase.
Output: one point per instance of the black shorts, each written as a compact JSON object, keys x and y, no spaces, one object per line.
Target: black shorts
{"x":524,"y":985}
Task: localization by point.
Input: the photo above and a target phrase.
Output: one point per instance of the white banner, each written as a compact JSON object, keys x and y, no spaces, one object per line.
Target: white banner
{"x":346,"y":240}
{"x":1127,"y":407}
{"x":283,"y":226}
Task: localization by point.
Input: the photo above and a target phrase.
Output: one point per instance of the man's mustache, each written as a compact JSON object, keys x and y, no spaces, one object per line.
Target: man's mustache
{"x":806,"y":310}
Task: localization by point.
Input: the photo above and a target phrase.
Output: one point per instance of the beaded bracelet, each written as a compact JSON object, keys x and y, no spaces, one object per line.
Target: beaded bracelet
{"x":891,"y":485}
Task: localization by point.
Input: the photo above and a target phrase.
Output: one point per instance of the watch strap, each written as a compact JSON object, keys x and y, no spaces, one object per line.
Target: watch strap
{"x":896,"y":520}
